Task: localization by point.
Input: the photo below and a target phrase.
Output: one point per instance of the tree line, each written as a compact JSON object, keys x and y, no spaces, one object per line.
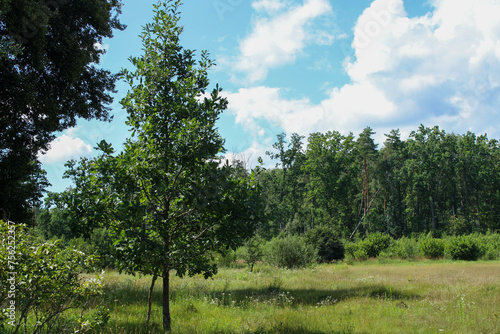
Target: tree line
{"x":432,"y":181}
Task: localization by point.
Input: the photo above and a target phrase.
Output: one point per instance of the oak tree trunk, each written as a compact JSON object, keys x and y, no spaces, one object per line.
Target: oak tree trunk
{"x":167,"y":324}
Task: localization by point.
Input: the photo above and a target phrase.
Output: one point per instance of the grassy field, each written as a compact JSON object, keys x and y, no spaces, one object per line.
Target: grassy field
{"x":369,"y":297}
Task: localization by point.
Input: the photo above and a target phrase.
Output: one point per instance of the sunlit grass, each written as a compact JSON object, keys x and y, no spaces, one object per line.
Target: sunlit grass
{"x":411,"y":297}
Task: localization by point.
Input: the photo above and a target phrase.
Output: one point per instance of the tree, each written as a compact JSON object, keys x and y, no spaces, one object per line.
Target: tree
{"x":431,"y":168}
{"x":329,"y":160}
{"x":22,"y":185}
{"x":367,"y":150}
{"x":390,"y":174}
{"x":290,"y":159}
{"x":252,"y":251}
{"x":48,"y":80}
{"x":167,"y":199}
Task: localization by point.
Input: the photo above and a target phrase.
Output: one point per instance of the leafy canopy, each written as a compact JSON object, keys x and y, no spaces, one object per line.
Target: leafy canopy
{"x":48,"y":52}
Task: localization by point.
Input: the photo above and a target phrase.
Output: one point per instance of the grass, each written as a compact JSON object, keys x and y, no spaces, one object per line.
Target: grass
{"x":399,"y":297}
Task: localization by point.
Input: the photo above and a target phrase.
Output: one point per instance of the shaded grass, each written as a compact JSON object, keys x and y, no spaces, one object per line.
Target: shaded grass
{"x":412,"y":297}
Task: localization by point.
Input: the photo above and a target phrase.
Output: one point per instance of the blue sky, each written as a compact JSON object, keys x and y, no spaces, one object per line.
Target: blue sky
{"x":318,"y":65}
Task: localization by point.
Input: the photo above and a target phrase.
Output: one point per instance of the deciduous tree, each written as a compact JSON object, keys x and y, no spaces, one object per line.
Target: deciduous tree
{"x":166,"y":197}
{"x":49,"y":79}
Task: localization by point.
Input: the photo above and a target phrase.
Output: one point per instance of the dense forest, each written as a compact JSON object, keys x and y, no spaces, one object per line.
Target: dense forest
{"x":433,"y":181}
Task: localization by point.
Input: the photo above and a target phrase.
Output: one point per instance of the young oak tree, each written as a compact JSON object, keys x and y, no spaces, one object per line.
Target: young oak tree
{"x":166,"y":197}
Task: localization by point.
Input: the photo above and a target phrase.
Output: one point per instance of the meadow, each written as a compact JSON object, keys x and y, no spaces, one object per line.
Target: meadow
{"x":367,"y":297}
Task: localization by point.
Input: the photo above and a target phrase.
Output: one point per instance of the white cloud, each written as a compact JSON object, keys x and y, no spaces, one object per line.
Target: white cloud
{"x":442,"y":69}
{"x":65,"y":148}
{"x":344,"y":110}
{"x":251,"y":105}
{"x":432,"y":67}
{"x":276,"y":40}
{"x":269,"y":6}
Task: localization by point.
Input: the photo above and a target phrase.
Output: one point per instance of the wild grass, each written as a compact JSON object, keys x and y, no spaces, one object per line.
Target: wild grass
{"x":394,"y":297}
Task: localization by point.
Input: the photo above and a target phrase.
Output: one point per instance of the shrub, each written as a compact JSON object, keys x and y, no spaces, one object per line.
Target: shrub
{"x":327,"y":242}
{"x":490,"y":246}
{"x":463,"y":248}
{"x":354,"y":251}
{"x":43,"y":281}
{"x":405,"y":248}
{"x":290,"y":252}
{"x":432,"y":247}
{"x":376,"y":243}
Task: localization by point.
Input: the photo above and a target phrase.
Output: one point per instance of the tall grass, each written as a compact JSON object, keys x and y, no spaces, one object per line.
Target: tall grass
{"x":402,"y":297}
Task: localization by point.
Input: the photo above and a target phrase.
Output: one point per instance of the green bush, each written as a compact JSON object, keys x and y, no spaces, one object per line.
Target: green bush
{"x":290,"y":252}
{"x":327,"y":242}
{"x":354,"y":252}
{"x":463,"y":248}
{"x":41,"y":280}
{"x":490,"y":246}
{"x":405,"y":248}
{"x":432,"y":247}
{"x":375,"y":243}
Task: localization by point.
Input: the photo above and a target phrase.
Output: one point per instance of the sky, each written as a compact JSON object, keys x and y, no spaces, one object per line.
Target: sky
{"x":304,"y":66}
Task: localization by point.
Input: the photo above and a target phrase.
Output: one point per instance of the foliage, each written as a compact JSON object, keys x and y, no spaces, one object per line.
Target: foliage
{"x":54,"y":223}
{"x":463,"y":248}
{"x":226,"y":259}
{"x":49,"y":80}
{"x":432,"y":247}
{"x":327,"y":242}
{"x":489,"y":245}
{"x":100,"y":244}
{"x":290,"y":252}
{"x":404,"y":248}
{"x":354,"y":251}
{"x":57,"y":223}
{"x":433,"y":181}
{"x":167,"y":200}
{"x":330,"y":176}
{"x":458,"y":226}
{"x":285,"y":193}
{"x":41,"y":281}
{"x":375,"y":243}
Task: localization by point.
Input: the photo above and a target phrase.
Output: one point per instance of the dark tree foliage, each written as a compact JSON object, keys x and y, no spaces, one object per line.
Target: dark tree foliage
{"x":48,"y":79}
{"x":327,"y":242}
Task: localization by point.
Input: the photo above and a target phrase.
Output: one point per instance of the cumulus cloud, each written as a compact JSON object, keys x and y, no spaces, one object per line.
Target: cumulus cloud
{"x":433,"y":68}
{"x":442,"y":68}
{"x":278,"y":37}
{"x":65,"y":148}
{"x":250,"y":105}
